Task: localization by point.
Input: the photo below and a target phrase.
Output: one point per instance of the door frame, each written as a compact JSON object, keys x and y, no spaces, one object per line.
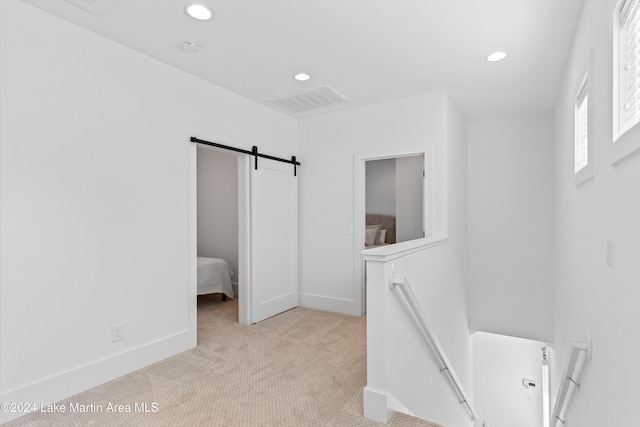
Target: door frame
{"x":244,"y":240}
{"x":359,"y":210}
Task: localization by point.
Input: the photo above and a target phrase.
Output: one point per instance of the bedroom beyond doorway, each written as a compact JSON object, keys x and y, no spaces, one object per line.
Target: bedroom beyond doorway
{"x":217,"y":223}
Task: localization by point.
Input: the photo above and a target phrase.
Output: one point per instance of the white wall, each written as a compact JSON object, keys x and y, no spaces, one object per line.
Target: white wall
{"x":454,"y":198}
{"x":381,"y":187}
{"x":500,"y":363}
{"x":511,"y":226}
{"x":328,"y":145}
{"x":218,"y":206}
{"x":94,"y":184}
{"x":592,"y":298}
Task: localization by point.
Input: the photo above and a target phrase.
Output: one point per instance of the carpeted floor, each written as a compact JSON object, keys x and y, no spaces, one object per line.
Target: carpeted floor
{"x":301,"y":368}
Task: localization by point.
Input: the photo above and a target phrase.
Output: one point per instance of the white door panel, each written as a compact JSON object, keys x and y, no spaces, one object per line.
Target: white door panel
{"x":274,"y":239}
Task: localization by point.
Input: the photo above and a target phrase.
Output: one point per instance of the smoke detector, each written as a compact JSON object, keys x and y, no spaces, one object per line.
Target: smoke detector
{"x":191,"y":46}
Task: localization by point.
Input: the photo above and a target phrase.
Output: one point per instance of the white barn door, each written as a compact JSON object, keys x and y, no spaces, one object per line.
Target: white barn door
{"x":273,"y":287}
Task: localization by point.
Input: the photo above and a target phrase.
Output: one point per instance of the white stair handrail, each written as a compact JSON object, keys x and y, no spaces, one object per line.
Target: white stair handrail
{"x":401,"y":282}
{"x":579,"y":353}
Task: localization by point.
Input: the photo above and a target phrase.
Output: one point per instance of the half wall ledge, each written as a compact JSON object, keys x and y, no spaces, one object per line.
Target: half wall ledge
{"x":398,"y":250}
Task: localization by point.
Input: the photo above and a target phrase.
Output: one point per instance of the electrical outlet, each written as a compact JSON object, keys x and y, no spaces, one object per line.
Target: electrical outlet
{"x":117,"y":332}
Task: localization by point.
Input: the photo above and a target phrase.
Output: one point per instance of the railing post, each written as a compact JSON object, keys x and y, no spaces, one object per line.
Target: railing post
{"x":376,"y":405}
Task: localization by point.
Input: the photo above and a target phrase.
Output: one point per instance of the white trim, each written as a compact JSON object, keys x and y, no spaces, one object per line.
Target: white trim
{"x":397,"y":406}
{"x":244,"y":241}
{"x":391,"y":252}
{"x":358,"y":233}
{"x":376,"y":405}
{"x":73,"y":381}
{"x":192,"y":238}
{"x":337,"y":305}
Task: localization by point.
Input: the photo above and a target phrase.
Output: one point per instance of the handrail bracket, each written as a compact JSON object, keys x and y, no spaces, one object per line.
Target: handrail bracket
{"x":574,"y":382}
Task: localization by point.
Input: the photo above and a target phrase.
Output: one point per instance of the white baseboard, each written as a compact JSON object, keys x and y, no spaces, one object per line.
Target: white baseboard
{"x":335,"y":305}
{"x":395,"y":405}
{"x":66,"y":384}
{"x":376,"y":406}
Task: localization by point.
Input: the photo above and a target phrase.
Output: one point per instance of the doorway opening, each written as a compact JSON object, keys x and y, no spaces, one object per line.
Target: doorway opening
{"x":392,"y":205}
{"x":246,"y":211}
{"x":220,"y":268}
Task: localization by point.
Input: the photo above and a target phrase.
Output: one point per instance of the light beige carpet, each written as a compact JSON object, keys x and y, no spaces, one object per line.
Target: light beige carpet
{"x":301,"y":368}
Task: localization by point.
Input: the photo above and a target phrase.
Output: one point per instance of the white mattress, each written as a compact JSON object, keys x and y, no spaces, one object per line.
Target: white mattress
{"x":214,"y":275}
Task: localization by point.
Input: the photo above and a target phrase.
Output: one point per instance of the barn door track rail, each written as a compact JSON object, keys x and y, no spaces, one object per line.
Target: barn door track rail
{"x":254,"y":152}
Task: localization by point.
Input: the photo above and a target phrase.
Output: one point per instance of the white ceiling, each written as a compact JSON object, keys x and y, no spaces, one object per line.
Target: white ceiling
{"x":370,"y":51}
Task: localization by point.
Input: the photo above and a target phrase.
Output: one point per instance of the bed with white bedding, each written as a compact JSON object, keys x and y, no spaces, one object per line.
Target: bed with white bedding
{"x":214,"y":276}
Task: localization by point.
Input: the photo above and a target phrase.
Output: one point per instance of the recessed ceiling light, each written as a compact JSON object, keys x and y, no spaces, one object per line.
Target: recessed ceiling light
{"x":302,"y":77}
{"x":199,"y":12}
{"x":496,"y":56}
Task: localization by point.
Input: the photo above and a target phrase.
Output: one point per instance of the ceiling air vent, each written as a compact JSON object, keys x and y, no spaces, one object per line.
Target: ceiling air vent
{"x":97,"y":7}
{"x":311,"y":99}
